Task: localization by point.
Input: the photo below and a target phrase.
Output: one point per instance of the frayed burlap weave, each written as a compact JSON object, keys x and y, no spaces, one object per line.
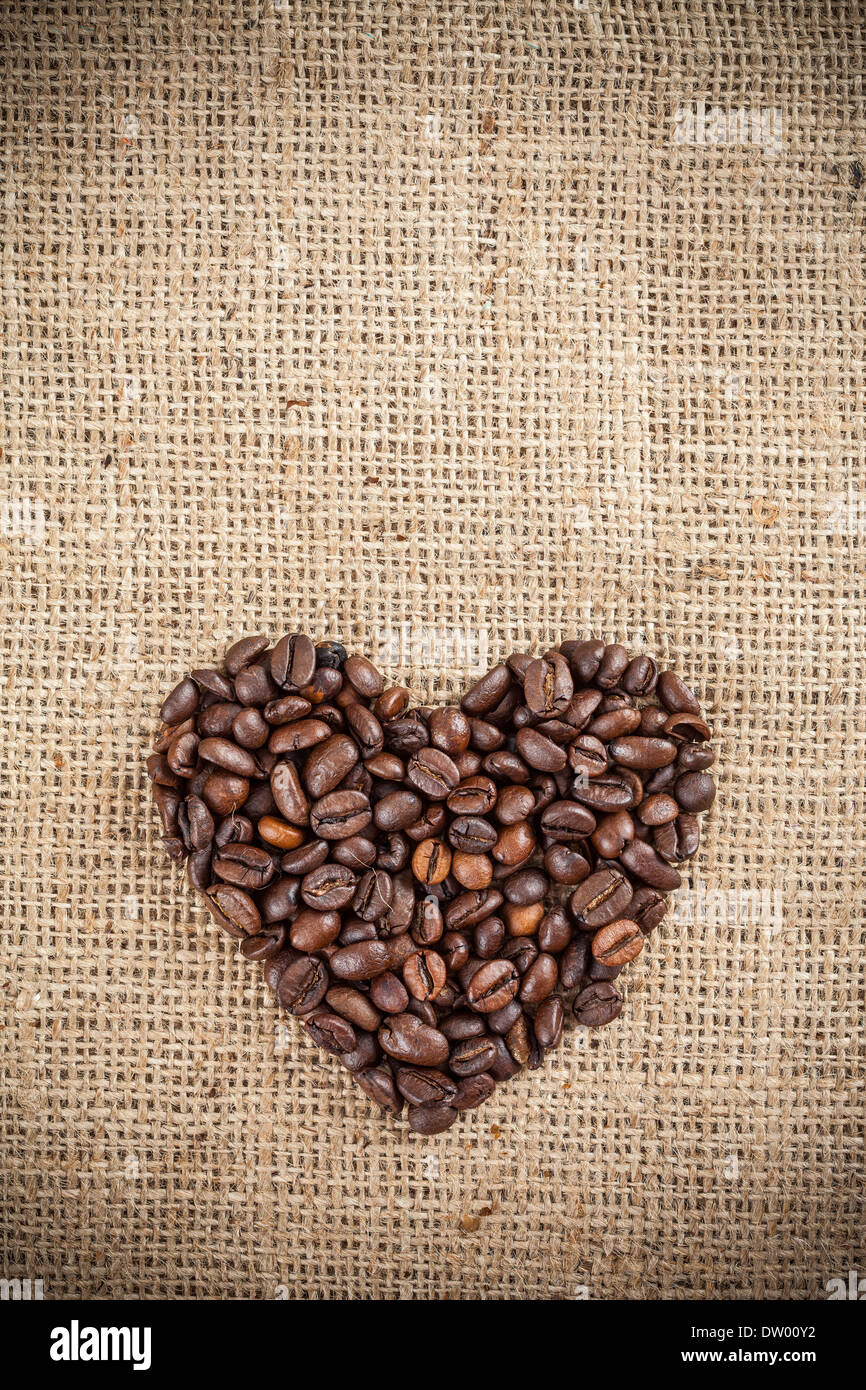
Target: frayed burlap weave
{"x":442,"y":330}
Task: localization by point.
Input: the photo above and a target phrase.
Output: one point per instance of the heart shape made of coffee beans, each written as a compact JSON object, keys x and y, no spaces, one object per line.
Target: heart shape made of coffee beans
{"x":424,"y":886}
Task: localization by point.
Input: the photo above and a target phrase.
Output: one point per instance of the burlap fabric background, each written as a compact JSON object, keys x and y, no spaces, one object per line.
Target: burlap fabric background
{"x":438,"y":329}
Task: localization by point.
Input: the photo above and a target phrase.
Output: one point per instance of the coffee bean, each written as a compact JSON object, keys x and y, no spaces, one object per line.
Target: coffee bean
{"x":492,"y":986}
{"x":425,"y":1085}
{"x":695,"y":791}
{"x":600,"y":898}
{"x":407,"y":1039}
{"x":618,"y":942}
{"x":328,"y":764}
{"x":424,"y":974}
{"x":378,"y":1084}
{"x":233,"y":909}
{"x":340,"y":814}
{"x":431,"y":1119}
{"x":333,"y":1033}
{"x":472,"y":1056}
{"x":548,"y":1022}
{"x":303,"y":985}
{"x":596,"y":1005}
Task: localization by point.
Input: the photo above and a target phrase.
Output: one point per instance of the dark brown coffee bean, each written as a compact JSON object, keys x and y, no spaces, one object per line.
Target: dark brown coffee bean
{"x":596,"y":1005}
{"x":613,"y":833}
{"x":472,"y":1056}
{"x":291,"y":799}
{"x":675,"y":694}
{"x":303,"y":985}
{"x":328,"y":764}
{"x":233,"y":909}
{"x":600,"y":898}
{"x":658,"y":809}
{"x":641,"y":753}
{"x":397,"y":810}
{"x":425,"y":1085}
{"x":610,"y":791}
{"x":389,"y":993}
{"x":328,"y":888}
{"x":378,"y":1084}
{"x":367,"y":959}
{"x":332,"y":1032}
{"x":565,"y":864}
{"x":265,"y":945}
{"x":307,"y":857}
{"x":363,"y":676}
{"x":293,"y":661}
{"x":487,"y":692}
{"x":473,"y":1090}
{"x":298,"y":736}
{"x":677,"y":840}
{"x":431,"y":1119}
{"x":242,"y":652}
{"x":567,"y":823}
{"x":540,"y":979}
{"x":554,"y":931}
{"x":244,"y":865}
{"x":647,"y":908}
{"x":407,"y":1039}
{"x":573,"y":962}
{"x":340,"y":814}
{"x":642,"y":860}
{"x":356,"y":1007}
{"x":695,"y":791}
{"x":492,"y":986}
{"x":181,"y":703}
{"x":548,"y":685}
{"x":539,"y":751}
{"x":548,"y":1022}
{"x":432,"y":773}
{"x":640,"y":676}
{"x":612,"y":666}
{"x":250,"y":730}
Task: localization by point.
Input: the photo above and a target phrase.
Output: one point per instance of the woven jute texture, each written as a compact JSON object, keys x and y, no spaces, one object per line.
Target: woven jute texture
{"x":443,"y":329}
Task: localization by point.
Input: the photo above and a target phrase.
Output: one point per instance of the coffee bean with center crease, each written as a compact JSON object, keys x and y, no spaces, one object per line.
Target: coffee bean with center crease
{"x":328,"y":764}
{"x":492,"y":986}
{"x":425,"y":1085}
{"x":333,"y":1033}
{"x":340,"y":814}
{"x":600,"y":898}
{"x":406,"y":1038}
{"x":329,"y":887}
{"x":303,"y":985}
{"x":233,"y":909}
{"x":424,"y":974}
{"x":596,"y":1005}
{"x":244,"y":865}
{"x":432,"y":773}
{"x":618,"y":942}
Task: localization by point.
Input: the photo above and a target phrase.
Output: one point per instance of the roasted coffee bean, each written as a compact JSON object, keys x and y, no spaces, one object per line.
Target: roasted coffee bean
{"x":609,"y":791}
{"x":596,"y":1005}
{"x":613,"y":833}
{"x":244,"y":865}
{"x":309,"y":856}
{"x":351,"y":1004}
{"x":678,"y":840}
{"x":389,"y":993}
{"x":279,"y":833}
{"x":472,"y":834}
{"x":601,"y":898}
{"x":431,"y":1119}
{"x":471,"y":870}
{"x":425,"y":1085}
{"x":492,"y":986}
{"x":303,"y":985}
{"x":618,"y":942}
{"x":431,"y":861}
{"x":565,"y":864}
{"x":523,"y":919}
{"x":266,"y":944}
{"x":397,"y":809}
{"x":242,"y":652}
{"x":642,"y":860}
{"x":695,"y":757}
{"x":540,"y":979}
{"x":472,"y":1056}
{"x":378,"y":1083}
{"x":548,"y":1022}
{"x":473,"y":1090}
{"x":675,"y":694}
{"x":328,"y":888}
{"x":658,"y":809}
{"x":340,"y":814}
{"x":233,"y":909}
{"x":293,"y":661}
{"x":424,"y":974}
{"x":488,"y":937}
{"x":487,"y":693}
{"x":475,"y":796}
{"x":367,"y":1053}
{"x":554,"y":931}
{"x":332,"y":1032}
{"x":369,"y":958}
{"x":695,"y":791}
{"x":292,"y":801}
{"x":647,"y":908}
{"x":548,"y":685}
{"x":566,"y":823}
{"x":407,"y":1039}
{"x":432,"y":773}
{"x":641,"y":753}
{"x":328,"y":764}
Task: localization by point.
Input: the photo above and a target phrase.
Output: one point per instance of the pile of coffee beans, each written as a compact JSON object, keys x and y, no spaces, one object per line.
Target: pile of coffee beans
{"x":424,"y":887}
